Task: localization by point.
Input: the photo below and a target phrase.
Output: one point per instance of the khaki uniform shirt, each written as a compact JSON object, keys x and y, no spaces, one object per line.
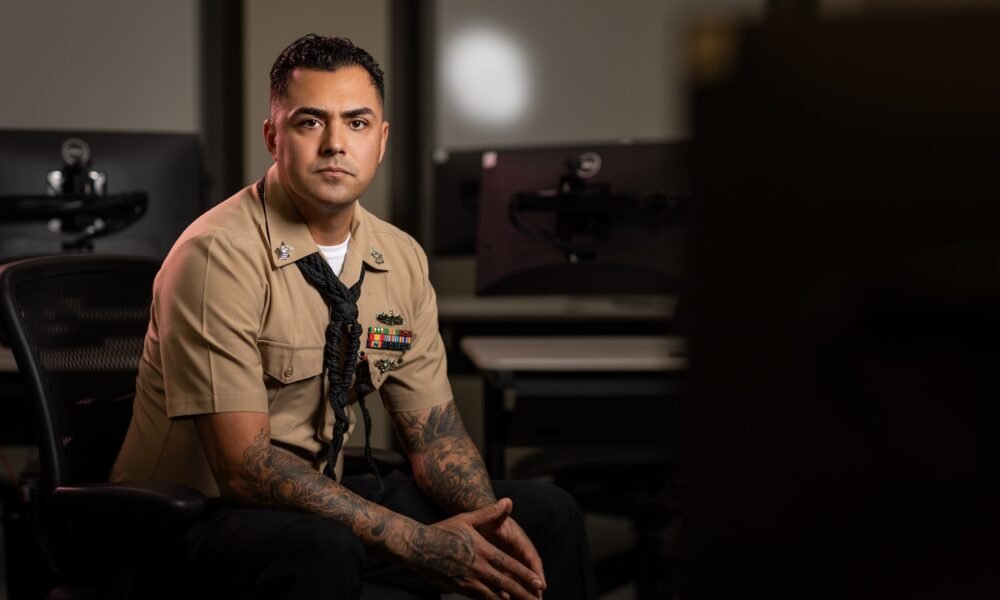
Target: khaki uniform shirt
{"x":235,"y":327}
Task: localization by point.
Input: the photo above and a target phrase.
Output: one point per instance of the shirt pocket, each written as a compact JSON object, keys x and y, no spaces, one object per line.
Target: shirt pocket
{"x":294,"y":388}
{"x":288,"y":364}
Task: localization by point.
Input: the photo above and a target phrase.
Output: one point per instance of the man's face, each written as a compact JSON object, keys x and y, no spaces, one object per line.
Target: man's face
{"x":327,"y":136}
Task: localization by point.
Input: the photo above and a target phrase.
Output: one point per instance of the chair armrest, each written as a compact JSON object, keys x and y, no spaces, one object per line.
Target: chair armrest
{"x":176,"y":501}
{"x":103,"y":527}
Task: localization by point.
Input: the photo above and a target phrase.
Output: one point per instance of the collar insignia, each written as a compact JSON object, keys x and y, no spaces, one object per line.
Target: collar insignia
{"x":377,"y":256}
{"x":284,"y":251}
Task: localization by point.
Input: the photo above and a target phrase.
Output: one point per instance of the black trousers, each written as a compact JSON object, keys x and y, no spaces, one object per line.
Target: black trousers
{"x":248,"y":553}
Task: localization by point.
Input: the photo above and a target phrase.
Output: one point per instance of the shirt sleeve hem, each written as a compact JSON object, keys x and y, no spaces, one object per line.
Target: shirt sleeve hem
{"x":409,"y":401}
{"x":218,"y":403}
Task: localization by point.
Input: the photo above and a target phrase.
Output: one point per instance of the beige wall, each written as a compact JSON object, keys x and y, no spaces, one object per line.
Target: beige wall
{"x":269,"y":27}
{"x":594,"y":71}
{"x":103,"y":64}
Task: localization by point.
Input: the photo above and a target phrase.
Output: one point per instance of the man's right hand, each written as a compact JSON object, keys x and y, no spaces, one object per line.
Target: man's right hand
{"x":453,"y":556}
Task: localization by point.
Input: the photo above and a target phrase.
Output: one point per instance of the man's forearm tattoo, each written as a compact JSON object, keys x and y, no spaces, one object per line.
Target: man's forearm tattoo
{"x":449,"y":465}
{"x":274,"y":478}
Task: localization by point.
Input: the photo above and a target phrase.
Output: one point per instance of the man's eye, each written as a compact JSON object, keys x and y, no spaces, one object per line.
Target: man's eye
{"x":358,"y":124}
{"x":310,"y":123}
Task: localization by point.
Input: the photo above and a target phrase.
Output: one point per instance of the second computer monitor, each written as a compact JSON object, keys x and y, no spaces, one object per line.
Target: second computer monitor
{"x":587,"y":219}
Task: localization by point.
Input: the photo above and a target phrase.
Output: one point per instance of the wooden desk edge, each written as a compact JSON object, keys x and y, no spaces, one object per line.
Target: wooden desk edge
{"x":632,"y":354}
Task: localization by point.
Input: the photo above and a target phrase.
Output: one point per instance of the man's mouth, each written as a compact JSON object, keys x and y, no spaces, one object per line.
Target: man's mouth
{"x":334,"y":171}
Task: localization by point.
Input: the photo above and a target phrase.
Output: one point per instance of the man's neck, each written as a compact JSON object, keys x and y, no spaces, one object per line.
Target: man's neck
{"x":329,"y":227}
{"x":333,"y":229}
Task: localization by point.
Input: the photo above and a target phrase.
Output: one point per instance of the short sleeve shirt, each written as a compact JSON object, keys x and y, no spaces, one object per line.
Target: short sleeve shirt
{"x":234,"y":326}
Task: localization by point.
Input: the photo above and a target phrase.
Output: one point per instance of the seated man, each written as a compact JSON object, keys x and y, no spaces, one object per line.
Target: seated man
{"x":275,"y":312}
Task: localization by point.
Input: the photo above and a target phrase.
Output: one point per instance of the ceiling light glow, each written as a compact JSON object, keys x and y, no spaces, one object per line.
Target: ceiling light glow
{"x":486,"y":76}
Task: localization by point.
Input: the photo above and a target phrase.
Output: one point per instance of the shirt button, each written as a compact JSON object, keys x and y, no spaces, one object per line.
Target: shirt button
{"x":289,"y":372}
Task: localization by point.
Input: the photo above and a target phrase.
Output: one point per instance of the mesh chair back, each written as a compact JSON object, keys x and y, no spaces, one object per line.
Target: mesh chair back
{"x":76,"y":325}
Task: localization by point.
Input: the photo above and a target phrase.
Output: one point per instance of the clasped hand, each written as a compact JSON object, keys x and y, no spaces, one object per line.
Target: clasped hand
{"x":482,"y":554}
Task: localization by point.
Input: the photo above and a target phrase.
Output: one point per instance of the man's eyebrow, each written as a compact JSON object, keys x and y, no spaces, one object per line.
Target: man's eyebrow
{"x":357,"y":112}
{"x":308,"y":110}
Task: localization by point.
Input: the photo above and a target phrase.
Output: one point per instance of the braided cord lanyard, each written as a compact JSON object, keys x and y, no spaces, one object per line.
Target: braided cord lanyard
{"x":342,"y":303}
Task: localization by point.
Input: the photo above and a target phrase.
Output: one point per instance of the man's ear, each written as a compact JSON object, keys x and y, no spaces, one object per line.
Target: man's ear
{"x":269,"y":132}
{"x":385,"y":138}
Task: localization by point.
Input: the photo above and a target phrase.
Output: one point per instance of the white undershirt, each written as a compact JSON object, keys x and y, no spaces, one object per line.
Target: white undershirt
{"x":335,"y":255}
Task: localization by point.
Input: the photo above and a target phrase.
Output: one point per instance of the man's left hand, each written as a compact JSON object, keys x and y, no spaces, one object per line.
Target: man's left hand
{"x":509,"y":537}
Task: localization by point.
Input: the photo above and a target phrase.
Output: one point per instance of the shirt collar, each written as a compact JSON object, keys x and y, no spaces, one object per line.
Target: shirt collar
{"x":363,"y":248}
{"x":289,"y":238}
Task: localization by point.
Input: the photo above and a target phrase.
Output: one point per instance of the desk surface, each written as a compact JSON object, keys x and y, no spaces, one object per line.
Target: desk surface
{"x":575,"y":353}
{"x":555,"y":308}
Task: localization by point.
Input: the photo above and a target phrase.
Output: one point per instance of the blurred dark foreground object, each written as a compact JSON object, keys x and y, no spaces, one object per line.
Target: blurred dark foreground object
{"x":841,"y":434}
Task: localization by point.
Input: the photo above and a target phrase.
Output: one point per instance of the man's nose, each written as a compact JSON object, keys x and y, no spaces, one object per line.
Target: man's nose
{"x":332,"y":141}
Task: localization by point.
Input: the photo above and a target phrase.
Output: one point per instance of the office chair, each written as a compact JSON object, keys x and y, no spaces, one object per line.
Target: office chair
{"x":76,"y":325}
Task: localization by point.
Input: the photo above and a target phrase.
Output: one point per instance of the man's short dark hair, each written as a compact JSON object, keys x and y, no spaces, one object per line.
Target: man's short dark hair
{"x":323,"y":54}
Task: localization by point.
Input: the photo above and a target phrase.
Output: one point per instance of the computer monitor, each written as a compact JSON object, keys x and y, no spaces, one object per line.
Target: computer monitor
{"x":456,"y":188}
{"x":166,"y":166}
{"x":840,"y":433}
{"x":604,"y":219}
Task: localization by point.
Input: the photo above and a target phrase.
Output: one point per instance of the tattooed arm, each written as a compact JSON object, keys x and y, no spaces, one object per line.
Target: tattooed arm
{"x":446,"y":464}
{"x":451,"y":554}
{"x":449,"y":470}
